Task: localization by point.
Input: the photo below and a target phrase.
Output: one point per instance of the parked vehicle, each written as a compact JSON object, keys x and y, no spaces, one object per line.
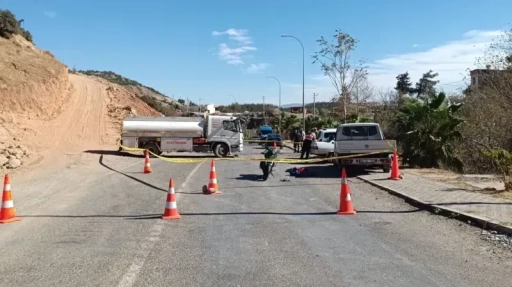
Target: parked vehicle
{"x":366,"y":139}
{"x":220,"y":134}
{"x":269,"y":140}
{"x":324,"y":145}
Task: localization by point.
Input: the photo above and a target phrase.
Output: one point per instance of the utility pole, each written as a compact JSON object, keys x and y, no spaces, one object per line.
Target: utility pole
{"x":314,"y":103}
{"x":200,"y":99}
{"x":264,"y":118}
{"x":188,"y":106}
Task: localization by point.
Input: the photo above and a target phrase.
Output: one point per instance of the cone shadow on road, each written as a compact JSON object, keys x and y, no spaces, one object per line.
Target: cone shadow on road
{"x":129,"y":176}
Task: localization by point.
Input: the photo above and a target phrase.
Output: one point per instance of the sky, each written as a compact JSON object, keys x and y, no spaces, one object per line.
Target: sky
{"x":224,"y":50}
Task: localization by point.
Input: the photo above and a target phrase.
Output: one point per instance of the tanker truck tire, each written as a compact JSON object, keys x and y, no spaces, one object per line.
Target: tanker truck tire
{"x":220,"y":150}
{"x":153,"y":148}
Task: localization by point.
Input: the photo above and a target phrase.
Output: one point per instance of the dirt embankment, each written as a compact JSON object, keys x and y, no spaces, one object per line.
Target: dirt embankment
{"x":48,"y":115}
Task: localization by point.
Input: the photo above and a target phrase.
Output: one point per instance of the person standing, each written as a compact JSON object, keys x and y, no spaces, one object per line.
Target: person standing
{"x":306,"y":145}
{"x":297,"y":138}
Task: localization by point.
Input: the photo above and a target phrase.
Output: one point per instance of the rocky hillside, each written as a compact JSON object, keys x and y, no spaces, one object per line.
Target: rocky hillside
{"x":152,"y":97}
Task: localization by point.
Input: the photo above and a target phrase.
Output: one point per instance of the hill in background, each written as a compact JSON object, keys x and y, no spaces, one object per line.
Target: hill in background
{"x":150,"y":96}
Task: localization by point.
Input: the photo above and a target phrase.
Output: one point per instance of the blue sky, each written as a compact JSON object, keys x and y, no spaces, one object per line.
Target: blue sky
{"x":172,"y":47}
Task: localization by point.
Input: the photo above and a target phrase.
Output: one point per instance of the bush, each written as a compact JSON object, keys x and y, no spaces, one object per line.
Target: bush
{"x":159,"y":107}
{"x":9,"y":26}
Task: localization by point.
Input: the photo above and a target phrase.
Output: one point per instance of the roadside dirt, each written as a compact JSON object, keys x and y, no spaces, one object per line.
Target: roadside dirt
{"x":486,"y":184}
{"x":53,"y":115}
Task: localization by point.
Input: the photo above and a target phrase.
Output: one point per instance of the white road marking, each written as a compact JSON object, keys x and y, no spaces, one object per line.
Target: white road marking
{"x":130,"y":277}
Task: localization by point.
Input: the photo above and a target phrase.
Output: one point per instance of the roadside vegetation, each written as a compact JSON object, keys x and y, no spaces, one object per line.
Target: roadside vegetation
{"x":10,"y":26}
{"x":470,"y":131}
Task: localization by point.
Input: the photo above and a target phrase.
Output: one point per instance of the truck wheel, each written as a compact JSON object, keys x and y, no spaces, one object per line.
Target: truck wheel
{"x":220,"y":150}
{"x":152,"y":147}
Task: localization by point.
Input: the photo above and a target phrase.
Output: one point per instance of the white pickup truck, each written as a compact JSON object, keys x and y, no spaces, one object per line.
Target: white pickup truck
{"x":365,"y":140}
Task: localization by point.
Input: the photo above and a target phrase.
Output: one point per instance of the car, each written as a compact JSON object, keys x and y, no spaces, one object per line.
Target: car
{"x":270,"y":138}
{"x":323,"y":146}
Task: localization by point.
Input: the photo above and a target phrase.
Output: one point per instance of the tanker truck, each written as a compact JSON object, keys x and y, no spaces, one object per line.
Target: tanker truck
{"x":221,"y":135}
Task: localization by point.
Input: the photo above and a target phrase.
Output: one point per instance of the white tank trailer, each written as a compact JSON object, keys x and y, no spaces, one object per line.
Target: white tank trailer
{"x":221,"y":135}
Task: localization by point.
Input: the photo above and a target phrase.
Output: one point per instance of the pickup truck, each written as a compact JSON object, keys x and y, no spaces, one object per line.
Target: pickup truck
{"x":323,"y":146}
{"x":365,"y":140}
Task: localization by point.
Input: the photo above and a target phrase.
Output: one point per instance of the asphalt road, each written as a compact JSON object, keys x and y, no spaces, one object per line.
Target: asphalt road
{"x":99,"y":225}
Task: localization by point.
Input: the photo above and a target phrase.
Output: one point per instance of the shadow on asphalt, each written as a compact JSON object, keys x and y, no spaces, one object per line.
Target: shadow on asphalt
{"x":291,"y":213}
{"x":328,"y":171}
{"x":126,"y":154}
{"x":139,"y":180}
{"x":129,"y":176}
{"x":250,"y":177}
{"x":131,"y":216}
{"x":284,"y":185}
{"x":158,"y":216}
{"x":113,"y":152}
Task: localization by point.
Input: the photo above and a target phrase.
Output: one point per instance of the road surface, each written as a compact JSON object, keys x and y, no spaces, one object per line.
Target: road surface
{"x":99,"y":225}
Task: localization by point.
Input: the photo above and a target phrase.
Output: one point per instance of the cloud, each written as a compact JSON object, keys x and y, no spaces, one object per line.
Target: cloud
{"x":238,"y":35}
{"x":238,"y":50}
{"x":415,"y":45}
{"x":50,"y":14}
{"x":257,"y":68}
{"x":451,"y":60}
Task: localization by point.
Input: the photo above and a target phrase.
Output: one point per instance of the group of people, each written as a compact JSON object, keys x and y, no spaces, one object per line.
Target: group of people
{"x":299,"y":136}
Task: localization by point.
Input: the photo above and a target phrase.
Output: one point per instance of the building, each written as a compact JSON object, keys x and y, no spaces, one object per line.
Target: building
{"x":478,"y":76}
{"x":296,"y":110}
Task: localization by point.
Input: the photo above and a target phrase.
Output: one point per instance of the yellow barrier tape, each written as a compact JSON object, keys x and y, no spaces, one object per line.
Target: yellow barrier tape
{"x":282,"y":160}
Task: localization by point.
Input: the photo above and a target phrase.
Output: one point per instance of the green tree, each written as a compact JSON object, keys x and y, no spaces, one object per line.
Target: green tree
{"x":426,"y":86}
{"x":427,"y":130}
{"x":335,"y":61}
{"x":9,"y":26}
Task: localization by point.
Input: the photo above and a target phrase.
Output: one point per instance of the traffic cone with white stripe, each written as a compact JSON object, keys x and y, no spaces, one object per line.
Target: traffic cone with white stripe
{"x":346,"y":207}
{"x":7,"y":213}
{"x":171,"y":208}
{"x":147,"y":165}
{"x":395,"y":172}
{"x":213,"y":187}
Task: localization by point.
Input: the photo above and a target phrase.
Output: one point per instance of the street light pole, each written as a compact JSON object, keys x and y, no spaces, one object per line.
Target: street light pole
{"x":303,"y":104}
{"x":264,"y":118}
{"x":314,"y":103}
{"x":200,"y":99}
{"x":270,"y":77}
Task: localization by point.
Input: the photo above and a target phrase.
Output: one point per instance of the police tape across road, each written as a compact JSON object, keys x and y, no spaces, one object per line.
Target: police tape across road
{"x":281,"y":160}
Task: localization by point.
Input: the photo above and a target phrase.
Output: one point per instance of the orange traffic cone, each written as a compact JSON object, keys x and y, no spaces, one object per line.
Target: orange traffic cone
{"x":147,"y":165}
{"x":213,"y":188}
{"x":395,"y":173}
{"x":7,"y":213}
{"x":171,"y":209}
{"x":346,"y":207}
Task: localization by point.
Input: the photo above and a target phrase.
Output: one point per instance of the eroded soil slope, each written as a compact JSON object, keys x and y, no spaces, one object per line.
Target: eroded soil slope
{"x":50,"y":116}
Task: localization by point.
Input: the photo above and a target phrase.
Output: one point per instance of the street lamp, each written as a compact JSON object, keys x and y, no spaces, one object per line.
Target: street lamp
{"x":303,"y":104}
{"x":234,"y":105}
{"x":270,"y":77}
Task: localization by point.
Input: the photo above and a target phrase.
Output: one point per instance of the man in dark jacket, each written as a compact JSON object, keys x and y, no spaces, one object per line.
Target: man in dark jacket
{"x":297,"y":138}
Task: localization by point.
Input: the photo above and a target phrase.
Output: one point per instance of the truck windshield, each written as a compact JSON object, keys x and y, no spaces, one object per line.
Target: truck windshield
{"x":359,"y":133}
